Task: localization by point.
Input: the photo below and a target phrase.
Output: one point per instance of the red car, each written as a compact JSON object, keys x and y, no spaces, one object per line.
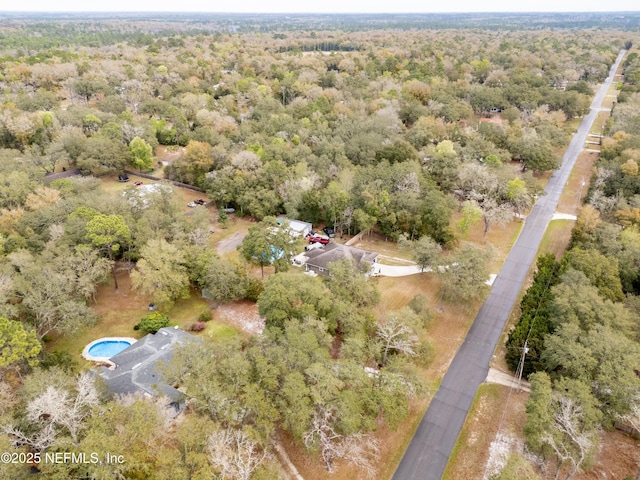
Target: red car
{"x":318,"y":239}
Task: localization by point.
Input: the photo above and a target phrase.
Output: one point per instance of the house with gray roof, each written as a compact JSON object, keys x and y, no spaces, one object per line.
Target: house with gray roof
{"x":137,"y":368}
{"x":318,"y":260}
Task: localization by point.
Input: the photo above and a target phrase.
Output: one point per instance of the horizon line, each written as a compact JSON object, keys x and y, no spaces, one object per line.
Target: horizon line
{"x":322,"y":13}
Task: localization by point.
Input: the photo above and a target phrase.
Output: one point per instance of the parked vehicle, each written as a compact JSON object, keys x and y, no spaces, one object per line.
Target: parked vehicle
{"x":319,"y":239}
{"x":330,"y":231}
{"x":313,"y":246}
{"x":123,"y":178}
{"x":192,"y":204}
{"x":229,"y":210}
{"x":199,"y":201}
{"x":138,"y":183}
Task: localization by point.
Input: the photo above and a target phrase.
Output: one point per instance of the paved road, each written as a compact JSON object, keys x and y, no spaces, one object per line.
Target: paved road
{"x":428,"y":453}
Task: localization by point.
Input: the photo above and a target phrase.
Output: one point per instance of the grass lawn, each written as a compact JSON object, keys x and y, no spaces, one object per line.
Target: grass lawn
{"x":556,"y":238}
{"x":378,"y":243}
{"x":495,"y":409}
{"x":578,"y":184}
{"x":119,"y":310}
{"x":110,"y":183}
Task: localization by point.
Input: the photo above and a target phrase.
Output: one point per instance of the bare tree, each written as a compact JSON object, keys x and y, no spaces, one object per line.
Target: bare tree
{"x":570,"y":442}
{"x":57,"y":410}
{"x":396,"y":336}
{"x":235,"y":454}
{"x":494,"y":212}
{"x":38,"y":442}
{"x":357,"y":448}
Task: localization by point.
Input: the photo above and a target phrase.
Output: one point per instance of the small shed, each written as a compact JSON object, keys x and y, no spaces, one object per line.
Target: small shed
{"x":296,"y":227}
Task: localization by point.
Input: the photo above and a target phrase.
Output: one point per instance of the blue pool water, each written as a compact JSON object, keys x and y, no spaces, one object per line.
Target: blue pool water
{"x":108,"y":348}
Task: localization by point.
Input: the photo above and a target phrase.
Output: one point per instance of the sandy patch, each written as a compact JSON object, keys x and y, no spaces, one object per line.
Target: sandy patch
{"x":242,"y":315}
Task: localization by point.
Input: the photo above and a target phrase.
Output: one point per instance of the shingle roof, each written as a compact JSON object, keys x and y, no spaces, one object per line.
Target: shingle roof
{"x":137,"y":369}
{"x":332,"y":252}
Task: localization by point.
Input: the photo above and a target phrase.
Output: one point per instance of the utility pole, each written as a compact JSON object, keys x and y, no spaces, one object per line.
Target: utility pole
{"x":525,"y":350}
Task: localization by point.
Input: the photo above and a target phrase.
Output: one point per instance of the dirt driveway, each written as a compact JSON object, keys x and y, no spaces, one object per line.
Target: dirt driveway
{"x":231,"y":243}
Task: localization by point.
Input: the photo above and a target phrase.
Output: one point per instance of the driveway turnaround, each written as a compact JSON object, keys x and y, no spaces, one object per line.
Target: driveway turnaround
{"x":398,"y":270}
{"x":429,"y":451}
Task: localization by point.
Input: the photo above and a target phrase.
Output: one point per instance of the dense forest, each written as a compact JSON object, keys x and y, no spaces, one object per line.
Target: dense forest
{"x":402,"y":126}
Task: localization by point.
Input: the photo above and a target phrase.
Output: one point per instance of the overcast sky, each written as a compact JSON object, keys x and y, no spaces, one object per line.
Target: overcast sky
{"x":324,"y":6}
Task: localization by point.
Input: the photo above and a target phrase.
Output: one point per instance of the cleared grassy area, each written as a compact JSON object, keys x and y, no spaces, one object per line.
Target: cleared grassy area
{"x":379,"y":243}
{"x":556,"y":238}
{"x":235,"y":226}
{"x":578,"y":184}
{"x":217,"y":332}
{"x":119,"y":310}
{"x":493,"y":410}
{"x":110,"y":183}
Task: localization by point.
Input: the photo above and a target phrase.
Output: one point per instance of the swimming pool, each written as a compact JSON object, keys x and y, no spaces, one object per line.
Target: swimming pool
{"x":108,"y":348}
{"x":103,"y":349}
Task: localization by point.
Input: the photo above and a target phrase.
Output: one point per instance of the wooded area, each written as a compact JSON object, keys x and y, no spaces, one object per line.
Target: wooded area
{"x":413,"y":130}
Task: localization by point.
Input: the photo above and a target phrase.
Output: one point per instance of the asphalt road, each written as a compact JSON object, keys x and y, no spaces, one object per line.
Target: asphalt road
{"x":428,"y":453}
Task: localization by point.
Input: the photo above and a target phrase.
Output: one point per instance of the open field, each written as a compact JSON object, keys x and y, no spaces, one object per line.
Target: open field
{"x":496,"y":409}
{"x":500,"y":410}
{"x":556,"y":238}
{"x":119,"y":310}
{"x":376,"y":242}
{"x":576,"y":188}
{"x":111,"y":184}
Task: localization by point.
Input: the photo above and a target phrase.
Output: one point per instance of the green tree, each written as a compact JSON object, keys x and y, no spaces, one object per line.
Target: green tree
{"x":577,"y":301}
{"x":128,"y":428}
{"x":603,"y":272}
{"x":224,"y":281}
{"x":436,"y":216}
{"x":535,"y":320}
{"x":256,"y":247}
{"x":562,"y":422}
{"x":424,"y":251}
{"x":48,"y":292}
{"x":161,"y":273}
{"x":538,"y":413}
{"x":471,"y":215}
{"x":287,"y":297}
{"x":108,"y":233}
{"x":99,"y":151}
{"x":518,"y":194}
{"x":516,"y":468}
{"x":269,"y":243}
{"x":601,"y":358}
{"x":17,"y":344}
{"x":153,"y":322}
{"x":465,"y":276}
{"x":141,"y":154}
{"x":349,"y":282}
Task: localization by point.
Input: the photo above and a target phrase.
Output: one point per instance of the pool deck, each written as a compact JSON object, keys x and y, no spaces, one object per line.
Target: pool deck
{"x":91,"y":358}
